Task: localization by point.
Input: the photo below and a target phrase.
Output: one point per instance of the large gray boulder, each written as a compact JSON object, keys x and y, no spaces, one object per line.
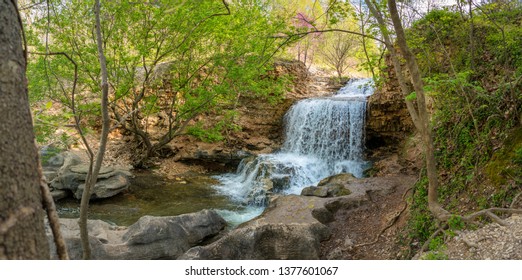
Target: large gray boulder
{"x":265,"y":242}
{"x":111,"y":181}
{"x":67,"y":174}
{"x":148,"y":238}
{"x":286,"y":230}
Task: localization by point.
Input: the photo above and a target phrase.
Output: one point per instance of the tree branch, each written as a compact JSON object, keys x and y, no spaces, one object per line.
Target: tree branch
{"x":302,"y":34}
{"x":52,"y":215}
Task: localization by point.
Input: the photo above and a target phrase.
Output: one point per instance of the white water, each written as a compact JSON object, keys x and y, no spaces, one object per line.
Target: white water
{"x":323,"y":137}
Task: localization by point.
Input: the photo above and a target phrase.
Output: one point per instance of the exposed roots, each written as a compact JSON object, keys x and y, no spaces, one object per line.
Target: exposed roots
{"x":470,"y":219}
{"x":515,"y":199}
{"x":490,"y":213}
{"x":424,"y":247}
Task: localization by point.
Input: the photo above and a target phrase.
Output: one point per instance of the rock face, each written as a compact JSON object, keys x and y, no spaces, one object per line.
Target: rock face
{"x":264,"y":242}
{"x":66,"y":174}
{"x":148,"y":238}
{"x":388,"y":120}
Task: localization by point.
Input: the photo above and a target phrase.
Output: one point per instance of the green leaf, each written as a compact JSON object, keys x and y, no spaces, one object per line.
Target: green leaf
{"x":48,"y":105}
{"x":412,"y":96}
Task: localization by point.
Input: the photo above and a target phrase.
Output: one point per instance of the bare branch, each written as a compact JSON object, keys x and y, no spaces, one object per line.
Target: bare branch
{"x":302,"y":34}
{"x":52,"y":216}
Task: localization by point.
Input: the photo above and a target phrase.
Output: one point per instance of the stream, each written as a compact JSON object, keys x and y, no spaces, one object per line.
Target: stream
{"x":323,"y":137}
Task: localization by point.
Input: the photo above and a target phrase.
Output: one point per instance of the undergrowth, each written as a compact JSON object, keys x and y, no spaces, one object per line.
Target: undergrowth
{"x":477,"y":105}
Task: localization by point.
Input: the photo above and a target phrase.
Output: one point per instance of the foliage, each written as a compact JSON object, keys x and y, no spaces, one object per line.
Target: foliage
{"x":435,"y":255}
{"x":473,"y":82}
{"x":172,"y":60}
{"x":456,"y":223}
{"x":214,"y":132}
{"x":421,"y":223}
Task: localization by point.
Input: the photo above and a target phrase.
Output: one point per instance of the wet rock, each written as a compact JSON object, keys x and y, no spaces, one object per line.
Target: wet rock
{"x":148,"y":238}
{"x":280,"y":183}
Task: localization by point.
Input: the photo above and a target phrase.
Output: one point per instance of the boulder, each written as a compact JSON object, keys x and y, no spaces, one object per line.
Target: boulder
{"x":265,"y":242}
{"x":58,"y":194}
{"x":148,"y":238}
{"x":329,"y":190}
{"x":314,"y":191}
{"x":72,"y":175}
{"x":343,"y":178}
{"x":286,"y":230}
{"x":330,"y":187}
{"x":106,"y":187}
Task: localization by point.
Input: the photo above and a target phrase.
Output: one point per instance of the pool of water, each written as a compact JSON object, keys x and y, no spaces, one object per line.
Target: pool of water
{"x":150,"y":194}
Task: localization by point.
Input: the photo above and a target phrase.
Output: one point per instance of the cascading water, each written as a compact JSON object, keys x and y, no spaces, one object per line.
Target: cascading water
{"x":323,"y":137}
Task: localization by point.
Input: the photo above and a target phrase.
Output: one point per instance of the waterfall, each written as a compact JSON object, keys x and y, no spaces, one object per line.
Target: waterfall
{"x":323,"y":137}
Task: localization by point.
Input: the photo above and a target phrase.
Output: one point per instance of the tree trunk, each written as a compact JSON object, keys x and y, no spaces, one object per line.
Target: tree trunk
{"x":424,"y":119}
{"x":92,"y":177}
{"x":22,"y":233}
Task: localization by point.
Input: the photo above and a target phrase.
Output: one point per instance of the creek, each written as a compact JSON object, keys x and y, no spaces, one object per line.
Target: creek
{"x":323,"y":137}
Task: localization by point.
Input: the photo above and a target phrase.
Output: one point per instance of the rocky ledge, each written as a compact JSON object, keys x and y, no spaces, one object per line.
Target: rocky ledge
{"x":149,"y":238}
{"x":294,"y":226}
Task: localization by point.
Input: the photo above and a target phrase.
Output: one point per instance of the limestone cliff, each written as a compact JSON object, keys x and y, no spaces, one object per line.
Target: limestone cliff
{"x":388,"y":121}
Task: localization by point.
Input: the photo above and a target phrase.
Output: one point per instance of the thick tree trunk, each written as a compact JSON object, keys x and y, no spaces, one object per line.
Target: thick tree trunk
{"x":22,"y":234}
